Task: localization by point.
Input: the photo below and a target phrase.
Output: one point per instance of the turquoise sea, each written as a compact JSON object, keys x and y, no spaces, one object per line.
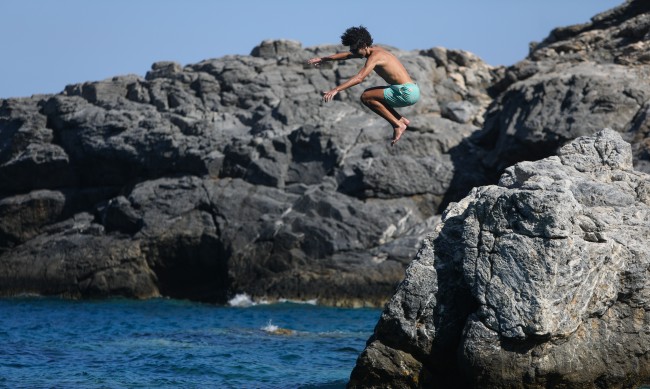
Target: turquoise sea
{"x":163,"y":343}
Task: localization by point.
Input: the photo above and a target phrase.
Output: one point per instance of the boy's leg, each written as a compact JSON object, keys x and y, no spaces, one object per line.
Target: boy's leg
{"x":373,"y":98}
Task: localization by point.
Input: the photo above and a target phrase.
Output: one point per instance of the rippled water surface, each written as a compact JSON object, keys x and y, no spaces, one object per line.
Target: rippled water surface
{"x":171,"y":343}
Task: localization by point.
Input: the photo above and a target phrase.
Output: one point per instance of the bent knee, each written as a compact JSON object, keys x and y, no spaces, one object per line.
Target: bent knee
{"x":366,"y":98}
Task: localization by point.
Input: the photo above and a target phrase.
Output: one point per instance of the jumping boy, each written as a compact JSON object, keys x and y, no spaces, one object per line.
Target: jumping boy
{"x":402,"y":91}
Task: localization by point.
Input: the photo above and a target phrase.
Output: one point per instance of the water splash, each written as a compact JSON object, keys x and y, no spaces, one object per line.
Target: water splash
{"x":275,"y":330}
{"x":242,"y":301}
{"x":270,"y":327}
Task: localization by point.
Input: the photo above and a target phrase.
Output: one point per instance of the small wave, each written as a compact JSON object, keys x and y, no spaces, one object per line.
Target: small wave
{"x":243,"y":300}
{"x":306,"y":302}
{"x":29,"y":296}
{"x":347,"y":350}
{"x":270,"y":327}
{"x":328,"y":385}
{"x":273,"y":329}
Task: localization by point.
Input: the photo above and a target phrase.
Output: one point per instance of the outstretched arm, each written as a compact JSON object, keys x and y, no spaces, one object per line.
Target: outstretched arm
{"x":334,"y":57}
{"x":357,"y":79}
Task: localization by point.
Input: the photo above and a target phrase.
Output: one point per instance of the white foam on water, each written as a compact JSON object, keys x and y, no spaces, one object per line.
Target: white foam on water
{"x":270,"y":327}
{"x":307,"y":302}
{"x":28,"y":295}
{"x":241,"y":300}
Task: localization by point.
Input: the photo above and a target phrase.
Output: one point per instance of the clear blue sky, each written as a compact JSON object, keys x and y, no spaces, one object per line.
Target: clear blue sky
{"x":48,"y":44}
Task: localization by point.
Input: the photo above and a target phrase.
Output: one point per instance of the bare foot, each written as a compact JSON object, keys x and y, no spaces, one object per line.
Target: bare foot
{"x":397,"y":132}
{"x":405,"y":120}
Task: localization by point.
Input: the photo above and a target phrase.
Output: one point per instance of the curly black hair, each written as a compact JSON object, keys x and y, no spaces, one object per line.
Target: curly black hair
{"x":356,"y":36}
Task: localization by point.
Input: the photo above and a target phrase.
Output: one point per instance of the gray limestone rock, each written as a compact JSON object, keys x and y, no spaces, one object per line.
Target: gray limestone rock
{"x":619,"y":35}
{"x":536,"y":116}
{"x":578,"y":80}
{"x":75,"y":259}
{"x":545,"y":273}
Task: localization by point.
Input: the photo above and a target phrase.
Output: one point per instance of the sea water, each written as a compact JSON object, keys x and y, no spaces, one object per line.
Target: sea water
{"x":163,"y":343}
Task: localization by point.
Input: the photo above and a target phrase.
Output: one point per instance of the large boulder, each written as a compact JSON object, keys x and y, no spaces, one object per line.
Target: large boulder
{"x":540,"y":281}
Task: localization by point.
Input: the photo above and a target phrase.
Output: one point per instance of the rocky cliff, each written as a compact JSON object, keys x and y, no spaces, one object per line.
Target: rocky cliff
{"x":580,"y":78}
{"x":540,"y":281}
{"x":231,"y":176}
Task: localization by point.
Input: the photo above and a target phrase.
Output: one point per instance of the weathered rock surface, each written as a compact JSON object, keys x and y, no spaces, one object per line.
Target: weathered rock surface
{"x":541,"y":281}
{"x":231,"y":176}
{"x":581,"y":78}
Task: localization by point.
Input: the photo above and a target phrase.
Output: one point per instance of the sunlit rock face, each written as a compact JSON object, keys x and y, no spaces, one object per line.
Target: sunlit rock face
{"x":541,"y":278}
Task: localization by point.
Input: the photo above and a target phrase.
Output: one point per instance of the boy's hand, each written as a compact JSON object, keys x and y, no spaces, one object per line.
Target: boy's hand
{"x":328,"y":96}
{"x":315,"y":61}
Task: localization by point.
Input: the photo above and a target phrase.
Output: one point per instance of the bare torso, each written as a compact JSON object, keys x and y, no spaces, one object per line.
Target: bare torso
{"x":388,"y":67}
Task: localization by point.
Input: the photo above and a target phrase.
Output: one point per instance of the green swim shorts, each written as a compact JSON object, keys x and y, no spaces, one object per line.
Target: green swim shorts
{"x":402,"y":95}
